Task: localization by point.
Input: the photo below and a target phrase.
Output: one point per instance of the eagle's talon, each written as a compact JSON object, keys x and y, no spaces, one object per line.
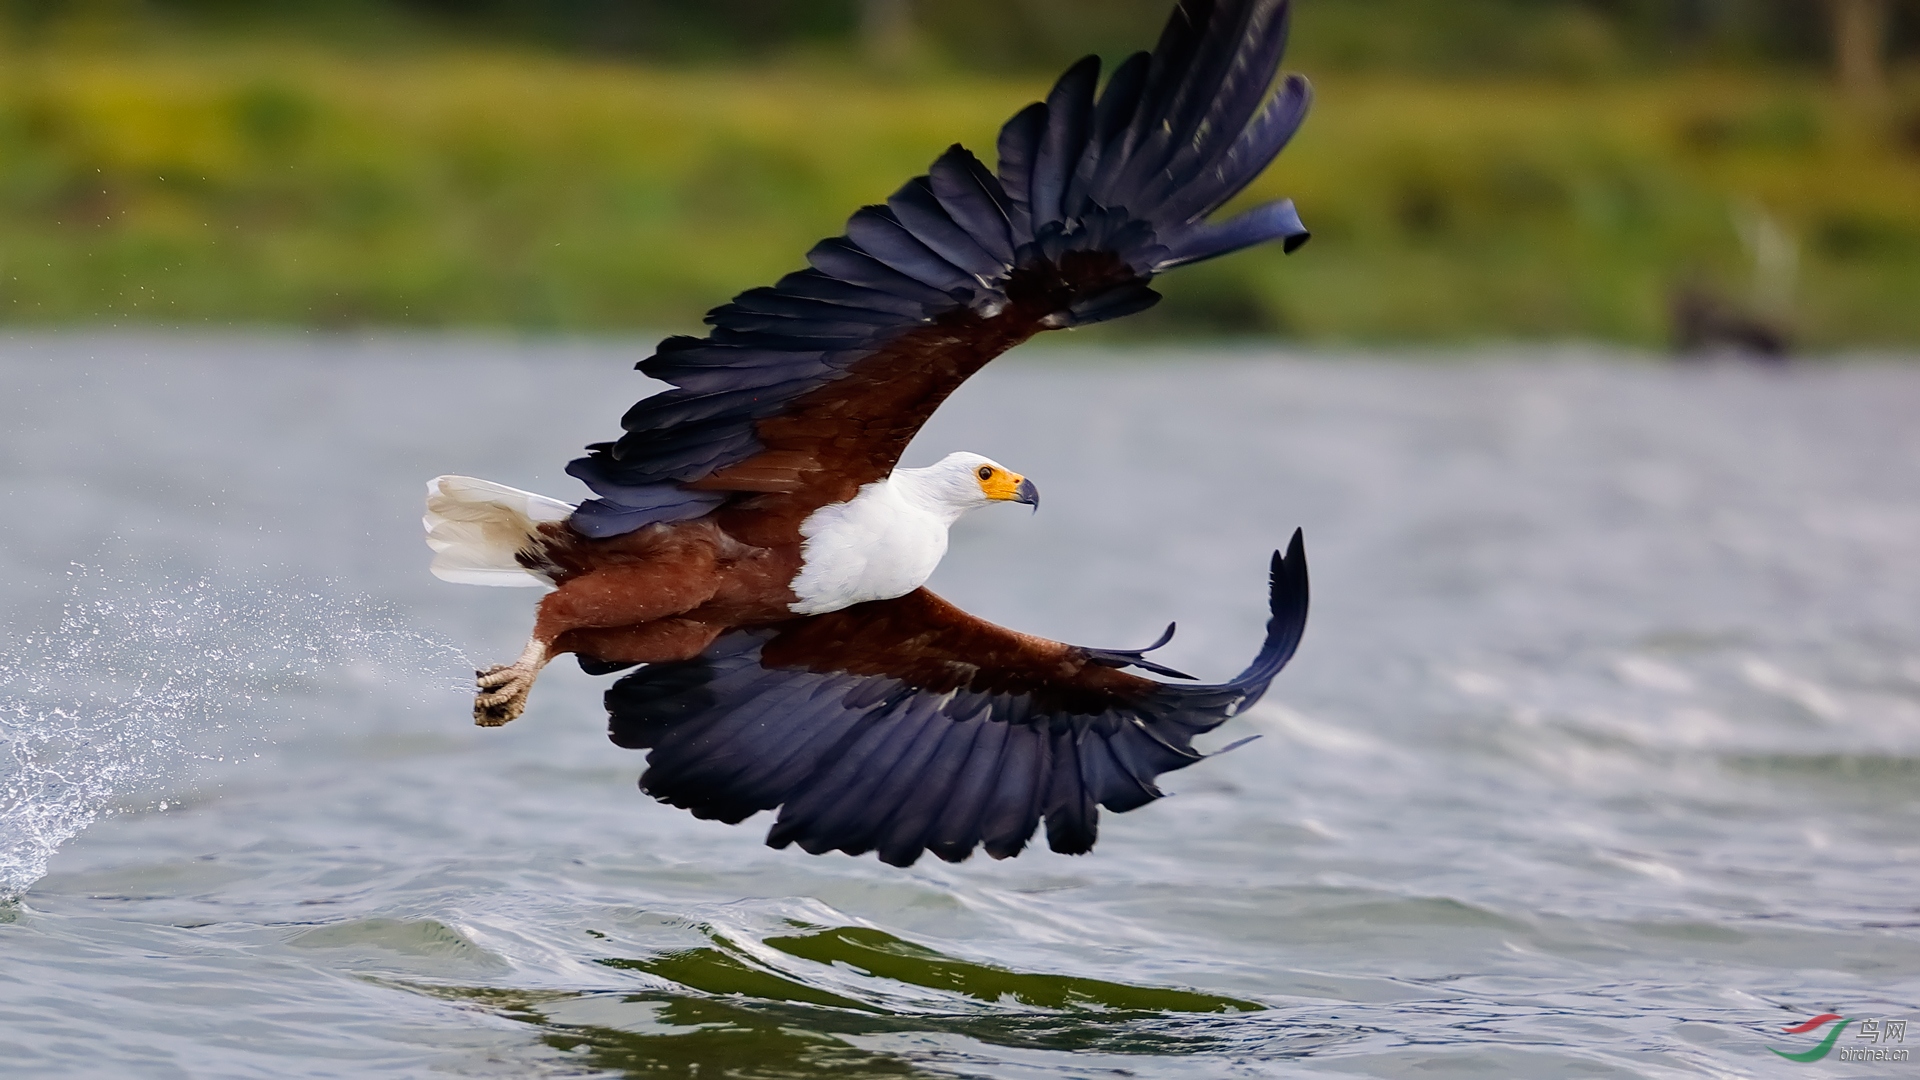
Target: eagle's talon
{"x":501,"y":691}
{"x":494,"y":710}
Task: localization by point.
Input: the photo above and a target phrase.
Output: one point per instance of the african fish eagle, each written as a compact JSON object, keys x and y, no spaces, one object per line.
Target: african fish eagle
{"x":753,"y":544}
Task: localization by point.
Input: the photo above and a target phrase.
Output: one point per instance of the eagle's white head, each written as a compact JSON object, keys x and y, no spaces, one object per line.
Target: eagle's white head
{"x":962,"y":481}
{"x":886,"y":540}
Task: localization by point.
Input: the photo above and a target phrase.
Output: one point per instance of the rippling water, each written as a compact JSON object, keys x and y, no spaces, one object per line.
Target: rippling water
{"x":1601,"y":757}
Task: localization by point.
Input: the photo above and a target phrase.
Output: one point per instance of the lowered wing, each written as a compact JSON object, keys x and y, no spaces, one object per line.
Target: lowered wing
{"x":907,"y":725}
{"x":806,"y":390}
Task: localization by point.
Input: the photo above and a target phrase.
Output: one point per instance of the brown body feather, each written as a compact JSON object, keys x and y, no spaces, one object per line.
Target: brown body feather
{"x":664,"y":592}
{"x":661,"y":593}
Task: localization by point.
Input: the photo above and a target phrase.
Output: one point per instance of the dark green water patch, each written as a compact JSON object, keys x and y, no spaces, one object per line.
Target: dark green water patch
{"x":714,"y":971}
{"x":880,"y":954}
{"x":739,"y":1016}
{"x":659,"y":1033}
{"x":1870,"y":776}
{"x":707,"y":1037}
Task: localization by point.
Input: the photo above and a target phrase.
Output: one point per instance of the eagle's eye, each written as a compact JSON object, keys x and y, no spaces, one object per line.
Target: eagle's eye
{"x":986,"y":472}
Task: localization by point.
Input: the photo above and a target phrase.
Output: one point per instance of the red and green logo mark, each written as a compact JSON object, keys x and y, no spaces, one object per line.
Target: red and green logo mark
{"x":1880,"y":1031}
{"x":1826,"y":1044}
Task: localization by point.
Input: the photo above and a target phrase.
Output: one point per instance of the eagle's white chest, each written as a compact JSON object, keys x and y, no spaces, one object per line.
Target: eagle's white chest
{"x":882,"y":543}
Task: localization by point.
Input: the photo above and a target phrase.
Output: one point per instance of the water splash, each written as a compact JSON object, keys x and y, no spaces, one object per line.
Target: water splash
{"x":142,"y":682}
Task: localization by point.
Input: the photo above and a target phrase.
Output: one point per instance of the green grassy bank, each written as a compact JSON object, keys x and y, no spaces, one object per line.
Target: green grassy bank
{"x":523,"y":190}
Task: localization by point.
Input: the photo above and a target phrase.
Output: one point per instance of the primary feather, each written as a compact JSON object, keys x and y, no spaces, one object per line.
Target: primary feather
{"x":1093,"y":197}
{"x":754,"y":546}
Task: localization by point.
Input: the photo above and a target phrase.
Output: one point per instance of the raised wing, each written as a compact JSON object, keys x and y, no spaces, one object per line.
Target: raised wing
{"x":806,"y":390}
{"x":907,"y":725}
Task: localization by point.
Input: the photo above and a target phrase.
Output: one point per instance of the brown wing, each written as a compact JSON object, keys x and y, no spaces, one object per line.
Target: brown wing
{"x":932,"y":646}
{"x":806,"y":390}
{"x":851,"y":431}
{"x":907,"y":725}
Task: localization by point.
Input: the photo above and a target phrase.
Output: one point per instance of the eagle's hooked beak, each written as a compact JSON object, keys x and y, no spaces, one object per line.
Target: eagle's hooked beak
{"x":1001,"y":484}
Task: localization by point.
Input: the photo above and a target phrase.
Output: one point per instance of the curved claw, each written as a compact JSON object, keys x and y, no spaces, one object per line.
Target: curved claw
{"x":1137,"y":657}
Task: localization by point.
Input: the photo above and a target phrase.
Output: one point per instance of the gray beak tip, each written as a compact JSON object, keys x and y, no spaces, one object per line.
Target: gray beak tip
{"x":1028,"y":494}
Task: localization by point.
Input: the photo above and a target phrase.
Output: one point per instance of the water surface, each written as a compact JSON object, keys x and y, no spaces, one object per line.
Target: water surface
{"x":1601,"y":756}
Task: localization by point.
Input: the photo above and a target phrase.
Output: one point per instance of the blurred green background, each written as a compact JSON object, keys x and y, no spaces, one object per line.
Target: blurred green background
{"x":1474,"y":170}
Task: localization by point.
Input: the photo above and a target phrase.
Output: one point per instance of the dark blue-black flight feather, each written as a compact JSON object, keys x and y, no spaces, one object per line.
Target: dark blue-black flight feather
{"x":906,"y":725}
{"x":813,"y":387}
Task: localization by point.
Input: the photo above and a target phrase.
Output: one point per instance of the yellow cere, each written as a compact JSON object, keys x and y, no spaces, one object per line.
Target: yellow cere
{"x":1001,"y":485}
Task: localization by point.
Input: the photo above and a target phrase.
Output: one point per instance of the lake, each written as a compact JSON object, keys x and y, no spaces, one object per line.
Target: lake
{"x":1601,"y":756}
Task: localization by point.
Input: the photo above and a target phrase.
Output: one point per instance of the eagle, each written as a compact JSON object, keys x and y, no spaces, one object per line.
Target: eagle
{"x":754,"y":549}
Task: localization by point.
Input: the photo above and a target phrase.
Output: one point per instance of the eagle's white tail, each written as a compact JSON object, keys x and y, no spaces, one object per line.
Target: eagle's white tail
{"x":478,"y":528}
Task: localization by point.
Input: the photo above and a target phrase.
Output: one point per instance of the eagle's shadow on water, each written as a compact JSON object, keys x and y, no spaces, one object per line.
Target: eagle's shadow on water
{"x":725,"y":1012}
